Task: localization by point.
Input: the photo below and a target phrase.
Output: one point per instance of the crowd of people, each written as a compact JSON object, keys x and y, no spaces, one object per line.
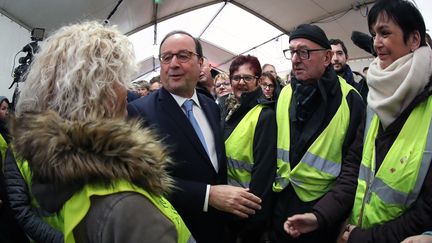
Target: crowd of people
{"x":332,"y":155}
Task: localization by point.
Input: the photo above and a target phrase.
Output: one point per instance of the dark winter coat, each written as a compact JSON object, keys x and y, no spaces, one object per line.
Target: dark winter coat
{"x":66,"y":155}
{"x":356,"y":80}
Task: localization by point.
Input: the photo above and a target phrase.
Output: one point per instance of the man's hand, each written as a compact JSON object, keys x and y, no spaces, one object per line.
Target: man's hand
{"x":300,"y":224}
{"x":346,"y":233}
{"x":235,"y":200}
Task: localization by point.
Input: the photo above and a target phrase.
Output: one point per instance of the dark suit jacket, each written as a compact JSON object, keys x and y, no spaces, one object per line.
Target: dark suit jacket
{"x":192,"y":169}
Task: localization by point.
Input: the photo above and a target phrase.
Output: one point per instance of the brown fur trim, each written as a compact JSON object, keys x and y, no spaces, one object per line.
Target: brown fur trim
{"x":70,"y":152}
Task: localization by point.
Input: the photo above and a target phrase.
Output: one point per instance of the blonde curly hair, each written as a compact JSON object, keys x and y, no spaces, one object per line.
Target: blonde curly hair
{"x":77,"y":71}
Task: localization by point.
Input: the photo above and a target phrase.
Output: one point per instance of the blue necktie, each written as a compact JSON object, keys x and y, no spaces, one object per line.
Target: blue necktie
{"x":188,"y":106}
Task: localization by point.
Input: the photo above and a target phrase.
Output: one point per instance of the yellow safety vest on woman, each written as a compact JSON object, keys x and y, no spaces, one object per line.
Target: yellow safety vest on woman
{"x":316,"y":172}
{"x":239,"y":149}
{"x":387,"y":194}
{"x":3,"y":148}
{"x":75,"y":209}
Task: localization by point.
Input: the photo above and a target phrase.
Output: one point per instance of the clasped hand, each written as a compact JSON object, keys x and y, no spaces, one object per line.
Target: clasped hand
{"x":235,"y":200}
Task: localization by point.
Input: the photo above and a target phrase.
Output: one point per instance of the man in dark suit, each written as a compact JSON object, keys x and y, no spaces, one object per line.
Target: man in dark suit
{"x":199,"y":170}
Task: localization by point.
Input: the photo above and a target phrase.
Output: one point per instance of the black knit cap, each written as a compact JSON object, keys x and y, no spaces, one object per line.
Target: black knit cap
{"x":312,"y":33}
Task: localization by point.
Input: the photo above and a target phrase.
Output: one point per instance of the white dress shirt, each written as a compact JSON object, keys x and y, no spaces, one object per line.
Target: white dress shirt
{"x":207,"y":132}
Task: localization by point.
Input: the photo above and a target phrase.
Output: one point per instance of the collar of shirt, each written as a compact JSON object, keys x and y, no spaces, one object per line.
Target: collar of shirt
{"x":180,"y":100}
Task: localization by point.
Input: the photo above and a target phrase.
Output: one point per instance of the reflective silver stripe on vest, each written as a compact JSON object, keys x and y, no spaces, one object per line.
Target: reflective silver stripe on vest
{"x":191,"y":239}
{"x":364,"y":173}
{"x":424,"y":168}
{"x":295,"y":181}
{"x":283,"y":155}
{"x":233,"y":182}
{"x":390,"y":195}
{"x":281,"y":181}
{"x":321,"y":164}
{"x":237,"y":164}
{"x":382,"y":190}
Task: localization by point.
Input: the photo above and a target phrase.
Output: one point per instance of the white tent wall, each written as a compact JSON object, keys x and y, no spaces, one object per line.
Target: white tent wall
{"x":12,"y":39}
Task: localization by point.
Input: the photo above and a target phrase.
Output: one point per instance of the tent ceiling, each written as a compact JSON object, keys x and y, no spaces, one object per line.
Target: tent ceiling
{"x":226,"y":28}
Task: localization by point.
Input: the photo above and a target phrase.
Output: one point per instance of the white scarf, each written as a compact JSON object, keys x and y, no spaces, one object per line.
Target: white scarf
{"x":392,"y":89}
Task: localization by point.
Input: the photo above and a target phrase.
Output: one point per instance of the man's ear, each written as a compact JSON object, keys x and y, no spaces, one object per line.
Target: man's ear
{"x":201,"y":61}
{"x":328,"y":57}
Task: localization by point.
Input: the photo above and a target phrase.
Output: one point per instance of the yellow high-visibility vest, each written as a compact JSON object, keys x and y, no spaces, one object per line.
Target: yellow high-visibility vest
{"x":388,"y":193}
{"x":317,"y":170}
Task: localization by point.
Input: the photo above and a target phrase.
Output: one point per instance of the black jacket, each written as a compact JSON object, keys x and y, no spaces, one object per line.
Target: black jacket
{"x":322,"y":107}
{"x":10,"y":230}
{"x":355,"y":79}
{"x":19,"y":199}
{"x":336,"y":205}
{"x":97,"y":152}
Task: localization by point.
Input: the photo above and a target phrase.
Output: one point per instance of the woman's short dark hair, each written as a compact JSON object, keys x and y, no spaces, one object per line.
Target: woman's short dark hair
{"x":251,"y":60}
{"x":403,"y":13}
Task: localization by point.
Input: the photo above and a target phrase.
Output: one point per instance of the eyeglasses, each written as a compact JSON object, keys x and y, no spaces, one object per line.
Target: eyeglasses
{"x":304,"y":54}
{"x":182,"y":56}
{"x":267,"y":86}
{"x":246,"y":78}
{"x":225,"y":84}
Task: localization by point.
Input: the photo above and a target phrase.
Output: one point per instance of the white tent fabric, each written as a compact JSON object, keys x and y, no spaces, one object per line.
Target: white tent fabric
{"x":225,"y":28}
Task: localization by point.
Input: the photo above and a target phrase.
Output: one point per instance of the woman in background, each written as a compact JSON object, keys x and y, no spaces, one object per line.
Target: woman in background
{"x":222,"y":88}
{"x":222,"y":84}
{"x":269,"y":86}
{"x":10,"y":230}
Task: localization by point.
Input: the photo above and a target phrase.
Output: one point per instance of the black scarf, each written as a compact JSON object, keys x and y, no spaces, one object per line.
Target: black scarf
{"x":308,"y":97}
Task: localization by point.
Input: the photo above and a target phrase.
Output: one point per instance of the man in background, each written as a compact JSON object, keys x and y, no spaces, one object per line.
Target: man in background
{"x":205,"y":83}
{"x":339,"y":61}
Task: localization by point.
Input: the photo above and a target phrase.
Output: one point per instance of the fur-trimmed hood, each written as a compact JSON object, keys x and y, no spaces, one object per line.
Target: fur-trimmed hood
{"x":71,"y":154}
